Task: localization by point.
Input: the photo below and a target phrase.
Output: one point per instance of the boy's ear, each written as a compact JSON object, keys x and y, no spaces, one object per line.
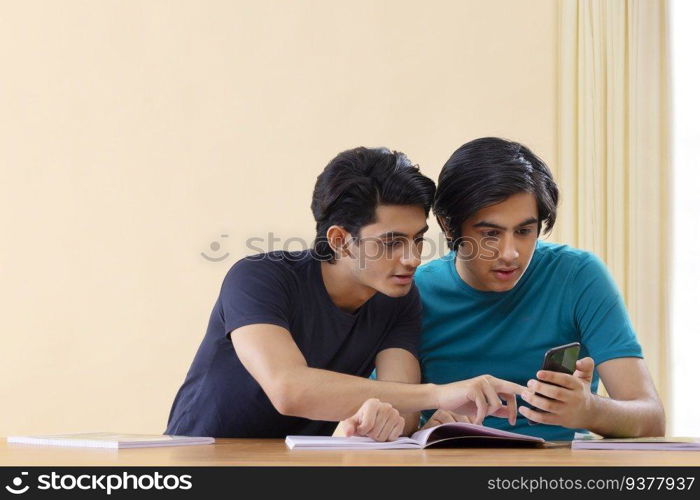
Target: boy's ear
{"x":444,"y":226}
{"x":339,"y":240}
{"x":451,"y":239}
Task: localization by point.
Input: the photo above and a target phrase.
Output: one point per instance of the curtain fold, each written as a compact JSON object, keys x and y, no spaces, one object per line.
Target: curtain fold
{"x":613,"y":164}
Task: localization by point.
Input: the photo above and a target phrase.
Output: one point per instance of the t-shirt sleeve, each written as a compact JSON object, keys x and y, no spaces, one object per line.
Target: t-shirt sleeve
{"x":600,"y":314}
{"x":256,"y":291}
{"x":404,"y":333}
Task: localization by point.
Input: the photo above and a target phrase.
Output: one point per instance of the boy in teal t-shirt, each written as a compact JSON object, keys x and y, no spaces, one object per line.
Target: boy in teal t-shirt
{"x":502,"y":298}
{"x":565,"y":295}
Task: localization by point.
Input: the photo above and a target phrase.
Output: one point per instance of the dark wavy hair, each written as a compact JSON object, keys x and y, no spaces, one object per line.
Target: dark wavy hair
{"x":486,"y":171}
{"x":355,"y":182}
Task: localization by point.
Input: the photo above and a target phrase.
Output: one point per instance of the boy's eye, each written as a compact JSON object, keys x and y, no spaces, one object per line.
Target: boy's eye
{"x":524,"y":231}
{"x":490,"y":234}
{"x":419,"y":240}
{"x":392,"y":244}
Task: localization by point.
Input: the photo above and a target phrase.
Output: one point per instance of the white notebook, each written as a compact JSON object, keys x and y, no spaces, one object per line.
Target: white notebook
{"x":110,"y":440}
{"x":654,"y":443}
{"x":456,"y":434}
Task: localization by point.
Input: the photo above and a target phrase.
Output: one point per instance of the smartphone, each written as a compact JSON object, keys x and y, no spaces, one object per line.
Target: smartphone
{"x":560,"y":359}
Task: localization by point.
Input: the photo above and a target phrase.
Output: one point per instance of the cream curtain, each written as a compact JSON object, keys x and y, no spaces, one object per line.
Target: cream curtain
{"x":613,"y":166}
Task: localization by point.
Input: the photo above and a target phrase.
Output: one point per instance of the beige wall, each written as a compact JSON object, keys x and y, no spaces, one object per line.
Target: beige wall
{"x":134,"y":133}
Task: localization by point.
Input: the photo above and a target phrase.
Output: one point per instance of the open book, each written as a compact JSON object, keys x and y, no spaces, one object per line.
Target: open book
{"x":651,"y":443}
{"x":110,"y":440}
{"x":456,"y":434}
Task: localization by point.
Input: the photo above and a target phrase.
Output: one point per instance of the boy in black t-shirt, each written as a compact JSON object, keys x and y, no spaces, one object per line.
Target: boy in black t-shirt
{"x":294,"y":335}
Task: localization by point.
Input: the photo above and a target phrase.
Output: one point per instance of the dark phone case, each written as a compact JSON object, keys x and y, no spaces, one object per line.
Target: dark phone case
{"x":557,"y":359}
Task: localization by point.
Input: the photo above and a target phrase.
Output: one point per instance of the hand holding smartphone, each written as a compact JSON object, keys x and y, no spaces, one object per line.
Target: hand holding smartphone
{"x":560,"y":359}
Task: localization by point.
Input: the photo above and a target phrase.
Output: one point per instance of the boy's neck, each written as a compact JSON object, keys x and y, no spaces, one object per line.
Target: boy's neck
{"x":346,"y":293}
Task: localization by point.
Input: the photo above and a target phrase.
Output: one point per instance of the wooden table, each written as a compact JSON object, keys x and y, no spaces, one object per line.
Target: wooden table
{"x":272,"y":452}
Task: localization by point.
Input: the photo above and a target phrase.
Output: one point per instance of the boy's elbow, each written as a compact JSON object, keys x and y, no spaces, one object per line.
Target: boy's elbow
{"x":656,"y":424}
{"x":660,"y":424}
{"x":283,"y":396}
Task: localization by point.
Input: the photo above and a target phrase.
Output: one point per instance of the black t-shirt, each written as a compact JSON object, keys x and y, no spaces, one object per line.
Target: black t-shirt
{"x":219,"y":398}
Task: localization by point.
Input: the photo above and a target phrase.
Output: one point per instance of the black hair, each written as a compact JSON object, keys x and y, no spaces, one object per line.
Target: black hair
{"x":355,"y":182}
{"x":486,"y":171}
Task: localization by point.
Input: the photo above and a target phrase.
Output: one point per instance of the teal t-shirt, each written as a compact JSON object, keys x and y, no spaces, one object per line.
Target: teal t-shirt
{"x":565,"y":295}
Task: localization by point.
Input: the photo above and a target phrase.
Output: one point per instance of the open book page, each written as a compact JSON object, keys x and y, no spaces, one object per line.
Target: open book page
{"x":456,"y":430}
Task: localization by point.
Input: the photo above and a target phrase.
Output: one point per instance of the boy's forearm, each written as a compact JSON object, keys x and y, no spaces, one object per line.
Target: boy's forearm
{"x":325,"y":395}
{"x":636,"y":418}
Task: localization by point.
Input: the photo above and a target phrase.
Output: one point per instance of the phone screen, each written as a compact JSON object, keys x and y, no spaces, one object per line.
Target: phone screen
{"x":562,"y":359}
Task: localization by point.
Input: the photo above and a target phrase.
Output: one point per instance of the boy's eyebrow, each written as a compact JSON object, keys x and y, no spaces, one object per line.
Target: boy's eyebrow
{"x":399,"y":234}
{"x":526,"y":222}
{"x":489,"y":224}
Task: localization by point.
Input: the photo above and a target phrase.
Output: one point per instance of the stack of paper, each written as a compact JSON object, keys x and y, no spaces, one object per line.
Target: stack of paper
{"x":687,"y":444}
{"x":110,"y":440}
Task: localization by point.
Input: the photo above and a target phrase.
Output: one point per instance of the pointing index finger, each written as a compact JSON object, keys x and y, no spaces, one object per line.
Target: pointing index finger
{"x":506,"y":387}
